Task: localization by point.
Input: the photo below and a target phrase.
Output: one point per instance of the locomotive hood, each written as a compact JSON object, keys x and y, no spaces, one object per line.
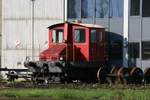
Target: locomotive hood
{"x":53,"y":53}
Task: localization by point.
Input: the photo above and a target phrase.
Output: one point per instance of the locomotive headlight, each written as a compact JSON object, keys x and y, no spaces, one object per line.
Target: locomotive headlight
{"x":61,"y":59}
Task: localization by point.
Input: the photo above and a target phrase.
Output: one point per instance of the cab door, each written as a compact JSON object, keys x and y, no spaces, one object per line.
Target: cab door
{"x":96,"y":45}
{"x":80,"y":45}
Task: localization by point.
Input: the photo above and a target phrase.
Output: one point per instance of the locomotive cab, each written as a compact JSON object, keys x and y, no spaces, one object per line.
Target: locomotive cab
{"x":75,"y":42}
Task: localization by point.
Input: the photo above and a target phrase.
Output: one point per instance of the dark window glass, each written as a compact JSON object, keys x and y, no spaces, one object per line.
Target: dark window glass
{"x":57,"y":36}
{"x":102,"y":8}
{"x":74,"y":8}
{"x":135,"y":7}
{"x":146,"y":50}
{"x":116,"y":8}
{"x":93,"y":36}
{"x":100,"y":36}
{"x":87,"y":9}
{"x":79,"y":35}
{"x":133,"y":50}
{"x":146,"y":8}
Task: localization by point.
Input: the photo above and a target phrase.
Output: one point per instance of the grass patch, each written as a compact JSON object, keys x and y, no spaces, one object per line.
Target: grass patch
{"x":56,"y":93}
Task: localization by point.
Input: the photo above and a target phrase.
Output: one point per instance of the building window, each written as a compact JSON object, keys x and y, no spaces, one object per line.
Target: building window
{"x":97,"y":8}
{"x":57,"y":36}
{"x":87,"y":8}
{"x":116,"y":8}
{"x":146,"y":8}
{"x":93,"y":36}
{"x":135,"y":8}
{"x":102,"y":8}
{"x":79,"y":35}
{"x":133,"y":50}
{"x":146,"y":50}
{"x":74,"y":8}
{"x":111,"y":8}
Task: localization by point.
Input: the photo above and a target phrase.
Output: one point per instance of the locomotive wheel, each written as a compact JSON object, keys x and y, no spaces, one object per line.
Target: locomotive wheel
{"x":123,"y":75}
{"x":102,"y":75}
{"x":114,"y":72}
{"x":147,"y":75}
{"x":136,"y":75}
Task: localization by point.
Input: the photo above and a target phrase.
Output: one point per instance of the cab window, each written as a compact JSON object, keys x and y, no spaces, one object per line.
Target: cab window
{"x":79,"y":35}
{"x":100,"y":36}
{"x":93,"y":36}
{"x":57,"y":36}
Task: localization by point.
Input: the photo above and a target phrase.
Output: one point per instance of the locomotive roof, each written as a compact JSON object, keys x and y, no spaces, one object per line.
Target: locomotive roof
{"x":80,"y":24}
{"x":89,"y":25}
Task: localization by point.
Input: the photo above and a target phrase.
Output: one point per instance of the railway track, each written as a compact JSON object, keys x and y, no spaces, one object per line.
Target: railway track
{"x":24,"y":84}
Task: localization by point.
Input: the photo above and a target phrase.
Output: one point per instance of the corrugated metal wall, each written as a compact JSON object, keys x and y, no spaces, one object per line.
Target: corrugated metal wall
{"x":0,"y":17}
{"x":17,"y":28}
{"x":0,"y":30}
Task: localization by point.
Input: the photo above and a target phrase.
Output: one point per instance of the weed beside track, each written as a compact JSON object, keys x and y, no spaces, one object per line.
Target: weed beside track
{"x":76,"y":91}
{"x":76,"y":94}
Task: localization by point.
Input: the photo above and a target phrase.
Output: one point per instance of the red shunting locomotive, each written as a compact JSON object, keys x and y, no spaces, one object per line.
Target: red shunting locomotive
{"x":77,"y":51}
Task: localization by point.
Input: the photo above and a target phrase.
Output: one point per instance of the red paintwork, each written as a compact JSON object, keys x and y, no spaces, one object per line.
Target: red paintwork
{"x":52,"y":53}
{"x":83,"y":53}
{"x":71,"y":51}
